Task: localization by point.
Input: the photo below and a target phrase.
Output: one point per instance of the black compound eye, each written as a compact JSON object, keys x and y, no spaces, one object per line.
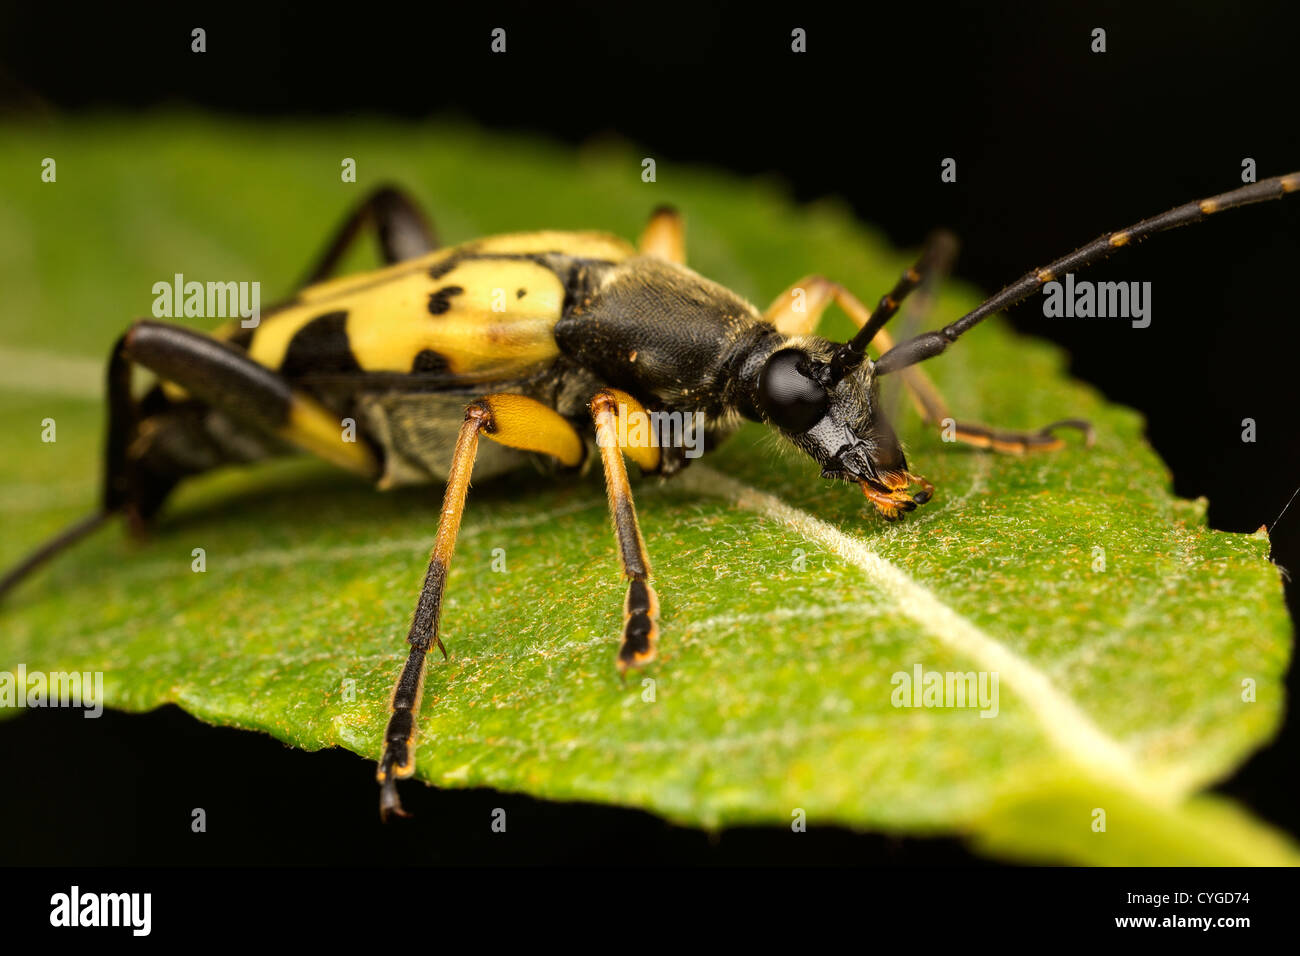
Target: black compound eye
{"x":790,"y":398}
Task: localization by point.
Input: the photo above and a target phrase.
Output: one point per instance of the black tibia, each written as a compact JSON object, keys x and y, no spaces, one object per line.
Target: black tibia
{"x":403,"y":231}
{"x":219,"y":374}
{"x":398,"y":759}
{"x":228,"y":409}
{"x":930,"y":344}
{"x":213,"y":372}
{"x":641,"y":608}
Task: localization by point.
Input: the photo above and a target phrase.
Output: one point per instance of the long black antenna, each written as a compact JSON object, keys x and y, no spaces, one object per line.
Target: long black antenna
{"x":64,"y":539}
{"x":937,"y":256}
{"x":929,"y":344}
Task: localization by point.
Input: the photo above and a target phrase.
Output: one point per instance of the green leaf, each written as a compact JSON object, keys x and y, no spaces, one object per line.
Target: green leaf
{"x":786,"y":606}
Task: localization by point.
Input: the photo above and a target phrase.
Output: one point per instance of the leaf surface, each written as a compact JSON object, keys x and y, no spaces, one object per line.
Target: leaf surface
{"x":787,"y":608}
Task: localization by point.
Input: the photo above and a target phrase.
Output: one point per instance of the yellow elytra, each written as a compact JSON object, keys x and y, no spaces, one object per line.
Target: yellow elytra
{"x":481,"y":311}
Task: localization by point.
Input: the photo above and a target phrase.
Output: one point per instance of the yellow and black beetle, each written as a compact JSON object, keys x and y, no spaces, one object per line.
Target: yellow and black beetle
{"x":526,"y":339}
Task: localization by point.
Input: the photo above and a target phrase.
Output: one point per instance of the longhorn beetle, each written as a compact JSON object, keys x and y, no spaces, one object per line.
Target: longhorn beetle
{"x":586,"y":328}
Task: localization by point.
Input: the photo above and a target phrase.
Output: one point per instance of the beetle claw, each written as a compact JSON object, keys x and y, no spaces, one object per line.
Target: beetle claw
{"x":390,"y":805}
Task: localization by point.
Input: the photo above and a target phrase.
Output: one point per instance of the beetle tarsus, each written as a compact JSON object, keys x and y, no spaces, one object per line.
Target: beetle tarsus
{"x":896,"y":503}
{"x":49,"y":549}
{"x":389,"y":803}
{"x":1081,"y":424}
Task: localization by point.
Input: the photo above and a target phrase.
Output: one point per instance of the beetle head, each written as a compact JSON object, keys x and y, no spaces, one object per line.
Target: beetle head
{"x":837,"y":423}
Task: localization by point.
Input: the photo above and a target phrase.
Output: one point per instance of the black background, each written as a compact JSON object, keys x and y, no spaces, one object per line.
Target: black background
{"x":1054,"y":144}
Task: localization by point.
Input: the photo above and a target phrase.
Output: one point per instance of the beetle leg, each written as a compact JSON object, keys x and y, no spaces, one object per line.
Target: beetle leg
{"x":817,"y":292}
{"x":512,"y":420}
{"x":139,"y":473}
{"x":664,"y":236}
{"x":404,"y":232}
{"x":224,"y":377}
{"x":641,"y":608}
{"x":934,"y":411}
{"x":798,"y":309}
{"x":398,"y":759}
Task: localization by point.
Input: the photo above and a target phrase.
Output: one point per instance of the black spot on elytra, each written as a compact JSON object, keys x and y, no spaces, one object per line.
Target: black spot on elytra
{"x":520,"y":293}
{"x":320,"y":346}
{"x":444,"y":267}
{"x":440,"y":301}
{"x":429,"y":361}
